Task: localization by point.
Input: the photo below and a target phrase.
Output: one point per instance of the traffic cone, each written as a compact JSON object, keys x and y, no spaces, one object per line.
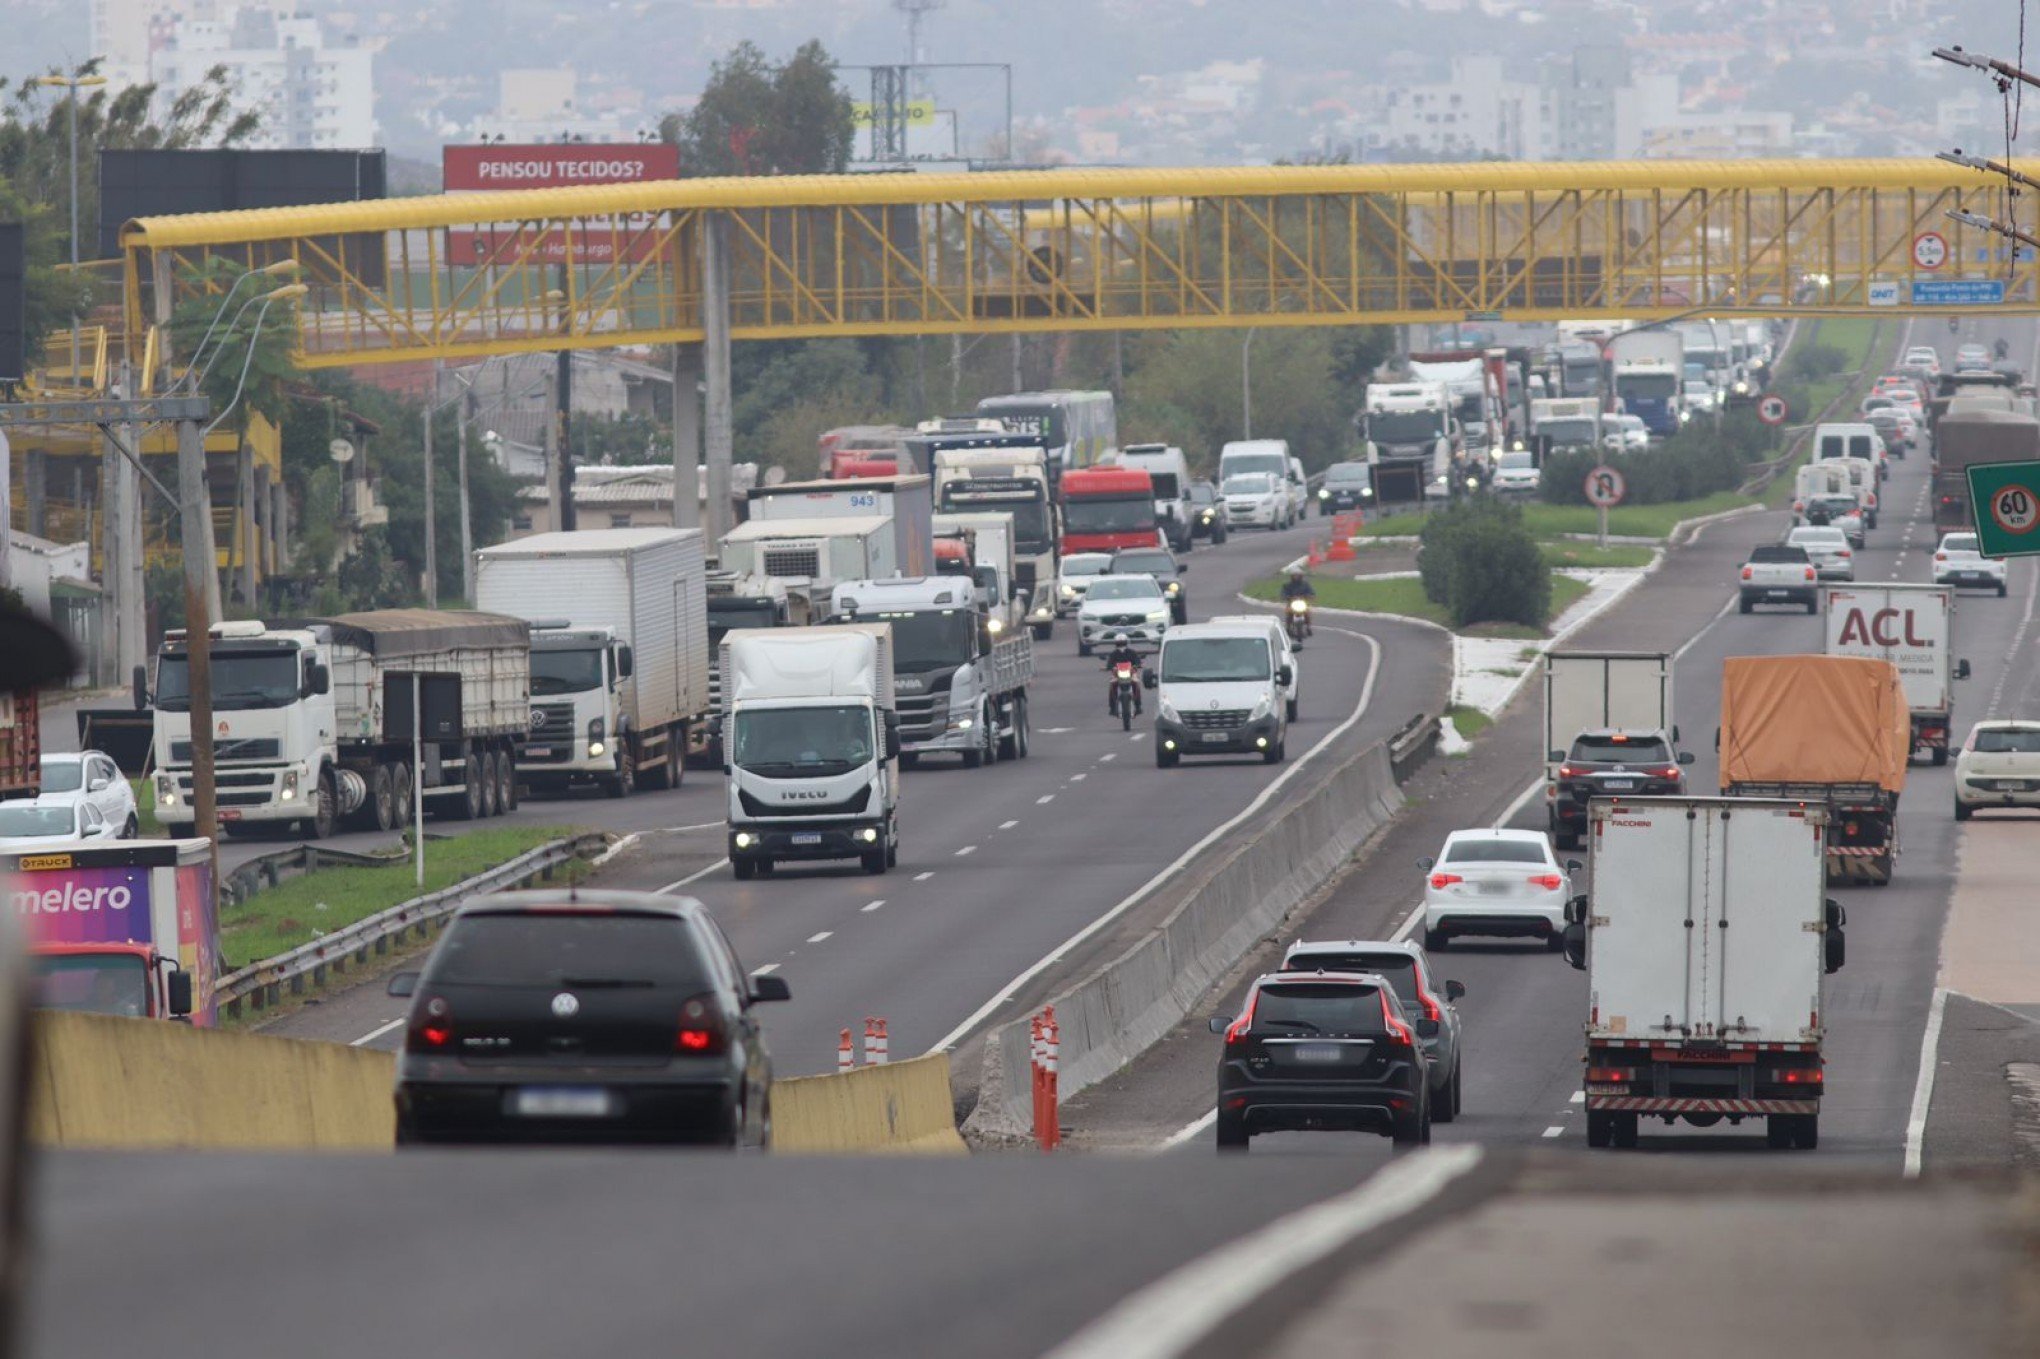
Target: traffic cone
{"x":845,"y":1058}
{"x":1051,"y":1099}
{"x":878,"y":1051}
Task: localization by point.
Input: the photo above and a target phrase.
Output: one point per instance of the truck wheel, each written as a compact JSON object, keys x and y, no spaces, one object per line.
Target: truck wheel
{"x":488,"y":782}
{"x":378,"y":810}
{"x":873,"y":860}
{"x":1963,"y":811}
{"x":744,"y":869}
{"x":1813,"y":606}
{"x":624,"y":781}
{"x":1023,"y":727}
{"x":1009,"y":744}
{"x":1940,"y":755}
{"x":1806,"y":1133}
{"x":319,"y":825}
{"x":1779,"y":1133}
{"x":472,"y":776}
{"x":1623,"y":1130}
{"x":1231,"y":1130}
{"x":400,"y":793}
{"x":506,"y":783}
{"x":1600,"y":1129}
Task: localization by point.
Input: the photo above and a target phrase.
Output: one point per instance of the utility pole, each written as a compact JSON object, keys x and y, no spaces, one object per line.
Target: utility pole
{"x":467,"y":532}
{"x":73,"y":83}
{"x":717,"y":434}
{"x":431,"y":518}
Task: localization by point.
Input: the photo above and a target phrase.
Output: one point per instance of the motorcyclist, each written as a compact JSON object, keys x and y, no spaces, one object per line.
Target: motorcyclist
{"x":1122,"y":653}
{"x":2001,"y":349}
{"x":1298,"y":586}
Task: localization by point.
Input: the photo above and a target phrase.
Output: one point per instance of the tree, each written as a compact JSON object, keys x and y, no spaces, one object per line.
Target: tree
{"x":238,"y":337}
{"x":755,"y":118}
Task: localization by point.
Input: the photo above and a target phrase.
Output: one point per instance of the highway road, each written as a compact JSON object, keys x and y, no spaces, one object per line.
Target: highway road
{"x":1524,"y":1006}
{"x":999,"y":866}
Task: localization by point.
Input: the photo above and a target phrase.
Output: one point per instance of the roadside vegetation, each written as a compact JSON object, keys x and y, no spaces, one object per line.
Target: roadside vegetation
{"x":301,"y":909}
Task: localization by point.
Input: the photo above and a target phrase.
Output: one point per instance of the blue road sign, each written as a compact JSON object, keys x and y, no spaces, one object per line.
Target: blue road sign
{"x":1958,"y":292}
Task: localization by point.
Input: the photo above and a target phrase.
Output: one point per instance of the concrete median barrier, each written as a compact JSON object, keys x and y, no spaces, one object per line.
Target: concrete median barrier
{"x":1114,"y":1014}
{"x":898,"y":1107}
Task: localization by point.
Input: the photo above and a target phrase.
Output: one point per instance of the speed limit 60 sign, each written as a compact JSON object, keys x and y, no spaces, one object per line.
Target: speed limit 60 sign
{"x":2005,"y":497}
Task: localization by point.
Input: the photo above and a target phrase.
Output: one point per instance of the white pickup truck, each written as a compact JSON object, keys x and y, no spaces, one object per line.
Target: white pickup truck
{"x":1780,"y":573}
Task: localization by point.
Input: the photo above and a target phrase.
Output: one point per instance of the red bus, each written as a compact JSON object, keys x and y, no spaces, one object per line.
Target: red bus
{"x":1107,"y":508}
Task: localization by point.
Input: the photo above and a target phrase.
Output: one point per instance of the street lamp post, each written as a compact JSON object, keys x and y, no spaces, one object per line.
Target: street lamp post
{"x":73,"y":83}
{"x":1247,"y":385}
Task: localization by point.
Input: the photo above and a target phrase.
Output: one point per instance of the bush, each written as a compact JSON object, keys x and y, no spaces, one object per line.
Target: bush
{"x":1697,"y":461}
{"x":1480,"y":562}
{"x":1812,"y":362}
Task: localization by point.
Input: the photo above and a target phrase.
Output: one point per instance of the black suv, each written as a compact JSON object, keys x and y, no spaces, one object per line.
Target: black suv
{"x":1321,"y":1050}
{"x":1160,"y":563}
{"x":1605,"y":762}
{"x":1207,"y":512}
{"x":584,"y":1017}
{"x":1347,"y":486}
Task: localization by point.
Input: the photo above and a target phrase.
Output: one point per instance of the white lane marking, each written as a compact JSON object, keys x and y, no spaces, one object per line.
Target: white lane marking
{"x":868,"y":907}
{"x":622,"y":845}
{"x":1409,"y":925}
{"x":1008,"y":825}
{"x":923,"y":877}
{"x":375,"y":1033}
{"x":765,"y":970}
{"x":819,"y":936}
{"x":1173,"y":1314}
{"x":1127,"y":903}
{"x":1579,"y":1097}
{"x":1923,"y":1087}
{"x":1044,"y":799}
{"x":696,"y":877}
{"x":1554,"y":1131}
{"x":1136,"y":737}
{"x":1190,"y":1129}
{"x":1108,"y":755}
{"x":1078,"y":778}
{"x":967,"y":849}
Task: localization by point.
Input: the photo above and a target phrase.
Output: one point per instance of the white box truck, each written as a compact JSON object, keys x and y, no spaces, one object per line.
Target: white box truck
{"x":1628,"y":691}
{"x":1706,"y":941}
{"x":988,"y":538}
{"x":619,"y":652}
{"x":907,"y":500}
{"x":313,"y":719}
{"x":1912,"y":626}
{"x":809,"y":556}
{"x":811,"y":739}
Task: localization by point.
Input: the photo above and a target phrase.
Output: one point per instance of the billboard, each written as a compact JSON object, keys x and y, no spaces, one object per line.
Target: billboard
{"x":168,"y":183}
{"x":13,"y":303}
{"x":499,"y":167}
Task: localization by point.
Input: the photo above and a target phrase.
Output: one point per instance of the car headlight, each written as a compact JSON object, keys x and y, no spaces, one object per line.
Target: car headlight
{"x":1158,"y":616}
{"x":1069,"y":591}
{"x":166,"y":790}
{"x":1167,"y":710}
{"x":290,"y":785}
{"x":1323,"y":494}
{"x":1262,"y":707}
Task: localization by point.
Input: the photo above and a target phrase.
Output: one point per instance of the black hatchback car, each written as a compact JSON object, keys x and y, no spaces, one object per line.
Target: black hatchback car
{"x":1347,"y":486}
{"x":1160,"y":563}
{"x":1605,"y":762}
{"x":1321,"y":1050}
{"x":584,"y":1017}
{"x":1207,"y":512}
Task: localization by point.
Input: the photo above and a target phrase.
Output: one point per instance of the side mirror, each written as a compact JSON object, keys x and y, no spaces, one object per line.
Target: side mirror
{"x":1181,"y":567}
{"x":1218,"y":1023}
{"x":141,"y":688}
{"x":624,"y":661}
{"x":768,"y":988}
{"x":1427,"y":863}
{"x":1576,"y":909}
{"x":1147,"y":679}
{"x":320,"y":680}
{"x":1962,"y":670}
{"x":97,"y":785}
{"x":1675,"y":734}
{"x":1427,"y":1028}
{"x":180,"y":993}
{"x":1555,"y":756}
{"x":1454,"y":990}
{"x":1834,"y":939}
{"x":892,"y":736}
{"x":1285,"y":674}
{"x":403,"y":984}
{"x":1573,"y":865}
{"x":1576,"y":945}
{"x":1686,"y":757}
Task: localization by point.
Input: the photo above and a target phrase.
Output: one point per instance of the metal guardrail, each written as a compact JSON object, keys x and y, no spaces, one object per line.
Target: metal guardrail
{"x":266,"y":871}
{"x":1413,"y":745}
{"x":265,"y":983}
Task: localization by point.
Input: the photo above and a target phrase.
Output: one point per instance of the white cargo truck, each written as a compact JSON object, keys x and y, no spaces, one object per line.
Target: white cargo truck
{"x":1600,"y":690}
{"x":1706,"y":942}
{"x":1004,"y":474}
{"x":1912,"y":627}
{"x":1410,"y":435}
{"x":313,"y":718}
{"x":811,"y":741}
{"x":619,"y":652}
{"x":961,"y":676}
{"x":1564,"y":422}
{"x":810,"y":556}
{"x":906,"y":500}
{"x":989,"y":540}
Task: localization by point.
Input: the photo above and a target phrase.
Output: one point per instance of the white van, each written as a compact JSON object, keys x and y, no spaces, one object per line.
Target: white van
{"x":1862,"y":484}
{"x":1170,"y":472}
{"x":1278,"y":633}
{"x":1221,"y":692}
{"x":1272,"y":457}
{"x":1850,"y":440}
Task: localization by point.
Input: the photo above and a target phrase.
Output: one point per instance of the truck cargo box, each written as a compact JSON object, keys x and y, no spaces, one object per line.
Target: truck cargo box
{"x":1813,"y":720}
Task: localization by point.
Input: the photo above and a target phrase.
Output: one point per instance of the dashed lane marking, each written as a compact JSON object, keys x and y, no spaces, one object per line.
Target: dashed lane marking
{"x":818,"y":938}
{"x":967,"y":849}
{"x":1008,"y":825}
{"x":1554,"y":1131}
{"x":769,"y":967}
{"x":376,"y":1032}
{"x":868,"y":907}
{"x":923,"y":877}
{"x":1044,"y":799}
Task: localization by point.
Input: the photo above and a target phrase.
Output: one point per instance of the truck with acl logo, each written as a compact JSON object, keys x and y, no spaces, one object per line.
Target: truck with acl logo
{"x":1909,"y":626}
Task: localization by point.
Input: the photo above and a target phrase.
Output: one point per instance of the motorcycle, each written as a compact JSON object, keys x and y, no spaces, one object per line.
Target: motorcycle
{"x":1125,"y":693}
{"x":1299,"y":621}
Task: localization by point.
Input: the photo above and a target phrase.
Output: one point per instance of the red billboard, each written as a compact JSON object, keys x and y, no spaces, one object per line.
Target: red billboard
{"x":498,"y":167}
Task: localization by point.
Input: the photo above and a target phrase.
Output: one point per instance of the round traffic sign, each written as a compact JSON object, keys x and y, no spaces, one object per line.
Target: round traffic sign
{"x":1930,"y":250}
{"x":2015,"y":508}
{"x":1605,"y":487}
{"x":1772,"y":410}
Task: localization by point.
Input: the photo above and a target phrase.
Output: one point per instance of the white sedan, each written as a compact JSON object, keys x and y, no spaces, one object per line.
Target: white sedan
{"x":1827,"y":547}
{"x":1133,"y":605}
{"x":1957,"y":562}
{"x":1499,"y":882}
{"x":92,"y":776}
{"x":1073,"y":575}
{"x":32,"y":823}
{"x":1255,"y":500}
{"x":1516,"y":471}
{"x":1999,"y":766}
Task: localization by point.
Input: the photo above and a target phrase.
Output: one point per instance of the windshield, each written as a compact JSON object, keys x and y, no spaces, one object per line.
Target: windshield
{"x":1214,"y":660}
{"x":928,"y":639}
{"x":1398,"y":968}
{"x":20,"y":819}
{"x":62,"y":776}
{"x":1405,"y":427}
{"x":1108,"y":516}
{"x":808,"y":742}
{"x":1495,"y":852}
{"x":1568,"y":431}
{"x":1959,"y":542}
{"x":566,"y":672}
{"x":1238,"y":464}
{"x":1151,"y":563}
{"x":1609,"y":750}
{"x":1085,"y":564}
{"x":1030,"y":516}
{"x":568,"y":949}
{"x":725,"y":617}
{"x":1318,"y":1007}
{"x":1123,"y":587}
{"x":1647,"y":386}
{"x":2006,"y":741}
{"x":1202,"y":493}
{"x":1517,"y":461}
{"x":94,"y":983}
{"x":1347,"y":473}
{"x":240,"y":679}
{"x":1252,"y":483}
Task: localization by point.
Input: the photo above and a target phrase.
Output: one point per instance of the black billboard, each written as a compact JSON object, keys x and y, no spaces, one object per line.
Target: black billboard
{"x":13,"y":302}
{"x":169,"y":183}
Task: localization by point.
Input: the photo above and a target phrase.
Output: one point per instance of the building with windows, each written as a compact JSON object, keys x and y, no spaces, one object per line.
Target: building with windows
{"x":309,"y":94}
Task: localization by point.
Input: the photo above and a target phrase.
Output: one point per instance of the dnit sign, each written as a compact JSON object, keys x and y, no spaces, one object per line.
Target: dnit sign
{"x":2007,"y":500}
{"x":1605,"y":487}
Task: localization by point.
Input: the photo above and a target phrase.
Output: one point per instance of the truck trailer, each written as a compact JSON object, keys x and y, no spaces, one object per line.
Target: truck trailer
{"x":619,"y":652}
{"x":1825,"y":730}
{"x":809,"y":556}
{"x":907,"y":500}
{"x":1599,"y":690}
{"x":1911,"y":626}
{"x":1706,"y":942}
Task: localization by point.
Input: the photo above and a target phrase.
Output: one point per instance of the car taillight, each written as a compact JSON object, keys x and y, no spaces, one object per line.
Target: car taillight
{"x":1748,"y":573}
{"x":1398,"y":1032}
{"x":1843,"y":553}
{"x":431,"y":1026}
{"x":1430,"y":1004}
{"x":702,"y":1031}
{"x":1940,"y":556}
{"x":1550,"y":882}
{"x":1441,"y":881}
{"x":1667,"y":771}
{"x":1809,"y":573}
{"x":1236,"y":1032}
{"x":1567,"y":771}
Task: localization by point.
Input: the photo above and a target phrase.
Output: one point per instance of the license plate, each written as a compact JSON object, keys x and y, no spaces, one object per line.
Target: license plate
{"x":1777,"y":594}
{"x":1214,"y":736}
{"x":807,"y":838}
{"x":1619,"y":785}
{"x":547,"y":1101}
{"x":1317,"y":1052}
{"x":1494,"y":889}
{"x":230,"y":814}
{"x":2011,"y":785}
{"x":538,"y":750}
